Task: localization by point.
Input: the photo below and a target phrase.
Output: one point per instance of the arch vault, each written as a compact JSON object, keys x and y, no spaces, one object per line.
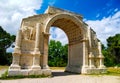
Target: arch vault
{"x":30,"y":56}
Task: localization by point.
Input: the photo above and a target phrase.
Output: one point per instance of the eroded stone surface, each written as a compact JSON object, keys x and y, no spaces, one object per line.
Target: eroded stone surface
{"x":31,"y":50}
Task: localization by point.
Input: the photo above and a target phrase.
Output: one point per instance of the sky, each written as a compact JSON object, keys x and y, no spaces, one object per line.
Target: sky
{"x":103,"y":16}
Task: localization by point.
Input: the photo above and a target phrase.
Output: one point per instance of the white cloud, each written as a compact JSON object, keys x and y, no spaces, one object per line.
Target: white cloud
{"x":116,"y":10}
{"x":97,"y":15}
{"x":106,"y":27}
{"x":58,"y":35}
{"x":51,"y":2}
{"x":12,"y":12}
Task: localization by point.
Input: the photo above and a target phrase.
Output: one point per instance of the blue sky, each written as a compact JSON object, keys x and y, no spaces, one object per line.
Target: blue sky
{"x":90,"y":9}
{"x":103,"y":16}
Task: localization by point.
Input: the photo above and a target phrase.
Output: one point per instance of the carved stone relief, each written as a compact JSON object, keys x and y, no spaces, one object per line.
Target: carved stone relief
{"x":28,"y":33}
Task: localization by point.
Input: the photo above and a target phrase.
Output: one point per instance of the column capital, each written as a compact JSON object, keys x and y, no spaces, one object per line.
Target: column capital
{"x":16,"y":53}
{"x":36,"y":51}
{"x":84,"y":40}
{"x":91,"y":55}
{"x":46,"y":34}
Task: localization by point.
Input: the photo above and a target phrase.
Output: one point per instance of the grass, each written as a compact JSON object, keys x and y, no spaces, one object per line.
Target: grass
{"x":113,"y":71}
{"x":57,"y":68}
{"x":3,"y":67}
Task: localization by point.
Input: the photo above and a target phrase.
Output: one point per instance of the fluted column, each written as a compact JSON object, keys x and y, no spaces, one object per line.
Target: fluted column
{"x":85,"y":56}
{"x":45,"y":56}
{"x":37,"y":39}
{"x":18,"y":42}
{"x":91,"y":60}
{"x":101,"y":57}
{"x":85,"y":62}
{"x":91,"y":56}
{"x":36,"y":61}
{"x":36,"y":54}
{"x":17,"y":52}
{"x":15,"y":61}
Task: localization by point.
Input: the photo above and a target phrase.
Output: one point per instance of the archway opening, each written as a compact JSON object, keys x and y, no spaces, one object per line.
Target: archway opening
{"x":74,"y":34}
{"x":57,"y":49}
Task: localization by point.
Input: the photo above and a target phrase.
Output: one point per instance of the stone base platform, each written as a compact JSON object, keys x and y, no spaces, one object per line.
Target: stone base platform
{"x":86,"y":70}
{"x":94,"y":71}
{"x":27,"y":72}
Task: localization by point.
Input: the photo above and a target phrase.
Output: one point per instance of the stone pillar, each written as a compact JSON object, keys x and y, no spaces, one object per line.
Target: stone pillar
{"x":101,"y":57}
{"x":36,"y":54}
{"x":18,"y":42}
{"x":15,"y":61}
{"x":36,"y":62}
{"x":37,"y":39}
{"x":68,"y":62}
{"x":91,"y":56}
{"x":17,"y":52}
{"x":45,"y":56}
{"x":91,"y":60}
{"x":85,"y":56}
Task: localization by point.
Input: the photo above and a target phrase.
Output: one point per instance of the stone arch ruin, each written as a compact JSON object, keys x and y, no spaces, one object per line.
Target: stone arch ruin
{"x":30,"y":56}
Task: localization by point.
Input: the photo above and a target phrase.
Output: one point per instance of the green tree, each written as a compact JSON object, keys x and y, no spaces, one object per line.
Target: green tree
{"x":109,"y":59}
{"x":114,"y":48}
{"x":5,"y":42}
{"x":57,"y":54}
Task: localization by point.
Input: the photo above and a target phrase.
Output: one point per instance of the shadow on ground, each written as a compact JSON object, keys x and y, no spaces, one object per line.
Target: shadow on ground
{"x":62,"y":73}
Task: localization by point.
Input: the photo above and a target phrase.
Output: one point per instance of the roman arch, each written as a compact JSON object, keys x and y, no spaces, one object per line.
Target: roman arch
{"x":30,"y":56}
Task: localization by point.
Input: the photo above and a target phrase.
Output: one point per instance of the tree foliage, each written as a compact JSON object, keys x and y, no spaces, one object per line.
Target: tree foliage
{"x":57,"y":54}
{"x":5,"y":42}
{"x":109,"y":59}
{"x":112,"y":52}
{"x":114,"y":47}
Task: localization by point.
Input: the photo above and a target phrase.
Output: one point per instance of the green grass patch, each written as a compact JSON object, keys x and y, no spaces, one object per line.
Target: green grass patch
{"x":113,"y":71}
{"x":3,"y":67}
{"x":57,"y":68}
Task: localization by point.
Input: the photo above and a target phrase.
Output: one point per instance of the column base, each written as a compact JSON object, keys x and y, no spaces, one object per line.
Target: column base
{"x":84,"y":69}
{"x":36,"y":67}
{"x":91,"y":66}
{"x":17,"y":67}
{"x":93,"y":71}
{"x":102,"y":67}
{"x":45,"y":67}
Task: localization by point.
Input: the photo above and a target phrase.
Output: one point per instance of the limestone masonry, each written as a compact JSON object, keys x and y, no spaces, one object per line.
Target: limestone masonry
{"x":30,"y":56}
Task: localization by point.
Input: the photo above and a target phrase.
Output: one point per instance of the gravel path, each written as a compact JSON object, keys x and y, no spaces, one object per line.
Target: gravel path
{"x":61,"y":77}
